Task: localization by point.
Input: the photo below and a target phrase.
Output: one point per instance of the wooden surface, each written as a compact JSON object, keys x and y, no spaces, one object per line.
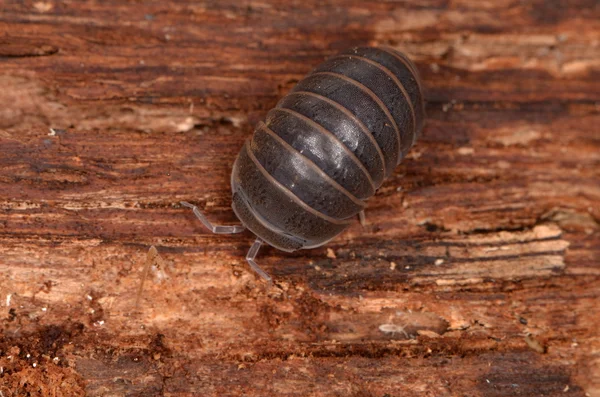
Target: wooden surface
{"x":477,"y":274}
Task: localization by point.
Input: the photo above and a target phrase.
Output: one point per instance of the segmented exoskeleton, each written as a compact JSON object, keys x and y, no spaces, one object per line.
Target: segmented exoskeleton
{"x":325,"y":148}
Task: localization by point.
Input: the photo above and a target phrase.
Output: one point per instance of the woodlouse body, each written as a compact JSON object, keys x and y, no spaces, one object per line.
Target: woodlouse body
{"x":327,"y":146}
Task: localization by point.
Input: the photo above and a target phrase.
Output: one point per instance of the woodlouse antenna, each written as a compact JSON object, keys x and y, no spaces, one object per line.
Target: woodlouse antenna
{"x":250,"y":259}
{"x":217,"y":229}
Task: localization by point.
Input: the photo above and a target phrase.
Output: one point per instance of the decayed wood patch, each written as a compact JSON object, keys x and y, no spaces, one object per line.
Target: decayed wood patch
{"x":476,"y":272}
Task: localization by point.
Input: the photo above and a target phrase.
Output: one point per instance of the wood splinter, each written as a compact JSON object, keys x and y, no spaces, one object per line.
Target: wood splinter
{"x":153,"y":258}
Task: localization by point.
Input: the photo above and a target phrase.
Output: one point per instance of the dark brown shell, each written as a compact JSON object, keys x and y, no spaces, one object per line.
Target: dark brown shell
{"x":327,"y":146}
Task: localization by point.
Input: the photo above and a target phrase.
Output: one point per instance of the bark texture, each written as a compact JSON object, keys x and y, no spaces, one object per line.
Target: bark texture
{"x":477,"y":273}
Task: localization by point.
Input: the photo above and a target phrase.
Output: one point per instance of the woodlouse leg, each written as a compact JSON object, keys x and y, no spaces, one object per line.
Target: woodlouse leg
{"x":250,"y":258}
{"x":362,"y":218}
{"x":217,"y":229}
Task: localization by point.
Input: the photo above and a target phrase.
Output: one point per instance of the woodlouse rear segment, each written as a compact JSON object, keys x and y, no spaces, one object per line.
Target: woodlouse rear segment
{"x":327,"y":147}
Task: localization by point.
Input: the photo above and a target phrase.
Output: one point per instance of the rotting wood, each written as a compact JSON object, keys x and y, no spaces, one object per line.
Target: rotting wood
{"x":476,"y":274}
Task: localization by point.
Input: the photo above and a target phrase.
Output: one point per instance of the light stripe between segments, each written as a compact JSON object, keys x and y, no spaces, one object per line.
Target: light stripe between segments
{"x":312,"y":165}
{"x":291,"y":195}
{"x":391,"y":76}
{"x":409,"y":65}
{"x":352,"y":117}
{"x":366,"y":90}
{"x":318,"y":126}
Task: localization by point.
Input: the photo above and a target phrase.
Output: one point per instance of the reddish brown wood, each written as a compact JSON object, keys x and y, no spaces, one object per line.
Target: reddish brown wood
{"x":477,"y":273}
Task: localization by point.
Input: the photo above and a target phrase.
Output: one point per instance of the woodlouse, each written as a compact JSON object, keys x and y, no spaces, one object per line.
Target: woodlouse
{"x":324,"y":149}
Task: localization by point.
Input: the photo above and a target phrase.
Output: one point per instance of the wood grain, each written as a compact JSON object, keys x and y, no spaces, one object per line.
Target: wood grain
{"x":477,"y":273}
